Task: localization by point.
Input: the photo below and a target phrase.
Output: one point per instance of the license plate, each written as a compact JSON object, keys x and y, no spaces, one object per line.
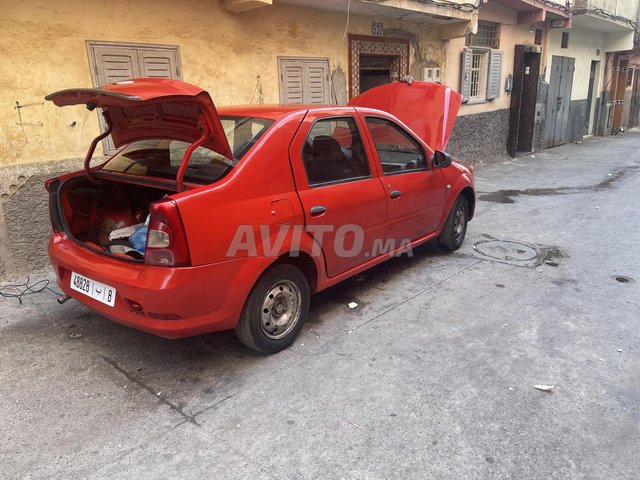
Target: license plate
{"x":96,"y":290}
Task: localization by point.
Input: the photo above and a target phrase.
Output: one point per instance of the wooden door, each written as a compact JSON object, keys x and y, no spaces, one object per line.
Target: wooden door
{"x":619,"y":85}
{"x":559,"y":101}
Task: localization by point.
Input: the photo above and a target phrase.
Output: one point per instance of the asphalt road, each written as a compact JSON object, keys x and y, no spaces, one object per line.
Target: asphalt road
{"x":431,"y":376}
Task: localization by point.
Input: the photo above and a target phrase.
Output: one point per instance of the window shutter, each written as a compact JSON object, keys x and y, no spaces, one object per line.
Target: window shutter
{"x":465,"y":74}
{"x":291,"y":84}
{"x":114,"y":64}
{"x":317,"y":89}
{"x":494,"y":78}
{"x":304,"y":80}
{"x":159,"y":63}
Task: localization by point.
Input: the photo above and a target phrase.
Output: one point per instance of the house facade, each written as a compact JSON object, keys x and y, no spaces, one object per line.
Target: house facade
{"x":588,"y":71}
{"x":241,"y":51}
{"x":533,"y":73}
{"x":497,"y":71}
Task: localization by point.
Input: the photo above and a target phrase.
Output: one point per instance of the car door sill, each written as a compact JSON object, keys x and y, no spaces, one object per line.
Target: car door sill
{"x":374,"y":261}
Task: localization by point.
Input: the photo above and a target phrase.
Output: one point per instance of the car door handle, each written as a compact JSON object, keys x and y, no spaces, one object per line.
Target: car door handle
{"x":317,"y":210}
{"x":395,"y":193}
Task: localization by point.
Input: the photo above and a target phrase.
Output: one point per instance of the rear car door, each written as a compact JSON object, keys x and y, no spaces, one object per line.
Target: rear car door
{"x":414,"y":192}
{"x":343,"y":200}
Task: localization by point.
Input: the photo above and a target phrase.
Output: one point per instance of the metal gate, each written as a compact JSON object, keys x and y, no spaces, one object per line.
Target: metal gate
{"x":556,"y":131}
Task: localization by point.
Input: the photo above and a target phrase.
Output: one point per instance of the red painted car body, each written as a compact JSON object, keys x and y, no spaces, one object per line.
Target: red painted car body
{"x":267,"y":194}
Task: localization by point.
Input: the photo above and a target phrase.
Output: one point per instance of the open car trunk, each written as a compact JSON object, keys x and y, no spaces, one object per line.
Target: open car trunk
{"x":107,"y":216}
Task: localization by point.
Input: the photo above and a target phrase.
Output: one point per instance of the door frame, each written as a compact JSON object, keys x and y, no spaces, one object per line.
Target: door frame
{"x":591,"y":120}
{"x":517,"y":95}
{"x":364,"y":44}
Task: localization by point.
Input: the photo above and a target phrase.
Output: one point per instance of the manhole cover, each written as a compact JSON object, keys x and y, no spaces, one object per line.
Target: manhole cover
{"x":516,"y":253}
{"x":506,"y":250}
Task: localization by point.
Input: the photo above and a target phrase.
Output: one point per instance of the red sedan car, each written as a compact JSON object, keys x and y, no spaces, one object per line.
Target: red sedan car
{"x":209,"y":220}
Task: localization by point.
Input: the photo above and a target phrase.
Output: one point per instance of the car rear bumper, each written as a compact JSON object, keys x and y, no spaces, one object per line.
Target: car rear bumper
{"x":197,"y":299}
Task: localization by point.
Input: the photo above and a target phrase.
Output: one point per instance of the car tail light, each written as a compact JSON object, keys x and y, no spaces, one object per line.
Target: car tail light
{"x":166,"y":238}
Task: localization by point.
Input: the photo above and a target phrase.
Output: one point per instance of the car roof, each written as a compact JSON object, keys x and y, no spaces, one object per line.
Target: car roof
{"x":275,"y":112}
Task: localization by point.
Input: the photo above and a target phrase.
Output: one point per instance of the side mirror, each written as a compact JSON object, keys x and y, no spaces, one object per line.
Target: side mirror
{"x":441,"y":159}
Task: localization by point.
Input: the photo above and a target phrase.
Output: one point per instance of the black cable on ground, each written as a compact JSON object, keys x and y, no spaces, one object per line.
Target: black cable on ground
{"x":22,"y":289}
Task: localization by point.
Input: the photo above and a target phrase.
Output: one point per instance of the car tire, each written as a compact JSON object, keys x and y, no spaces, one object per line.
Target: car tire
{"x":275,"y":311}
{"x":455,"y":228}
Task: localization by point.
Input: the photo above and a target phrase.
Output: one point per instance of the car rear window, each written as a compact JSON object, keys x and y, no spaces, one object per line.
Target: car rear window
{"x":161,"y":158}
{"x":243,"y":132}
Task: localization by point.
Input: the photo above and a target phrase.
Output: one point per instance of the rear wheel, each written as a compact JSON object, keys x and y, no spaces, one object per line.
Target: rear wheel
{"x":275,"y":310}
{"x":455,"y":228}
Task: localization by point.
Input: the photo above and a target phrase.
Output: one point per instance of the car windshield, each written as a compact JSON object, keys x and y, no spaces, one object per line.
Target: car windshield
{"x":161,"y":158}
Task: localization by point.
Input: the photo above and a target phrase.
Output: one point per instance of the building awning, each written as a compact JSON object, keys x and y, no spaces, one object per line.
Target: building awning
{"x":452,"y":20}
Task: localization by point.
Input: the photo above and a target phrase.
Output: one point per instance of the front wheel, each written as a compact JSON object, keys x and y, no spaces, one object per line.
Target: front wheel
{"x":275,"y":310}
{"x":455,"y":228}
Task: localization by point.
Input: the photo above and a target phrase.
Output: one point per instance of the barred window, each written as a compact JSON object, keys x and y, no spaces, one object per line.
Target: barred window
{"x":481,"y":74}
{"x":478,"y":74}
{"x":487,"y":36}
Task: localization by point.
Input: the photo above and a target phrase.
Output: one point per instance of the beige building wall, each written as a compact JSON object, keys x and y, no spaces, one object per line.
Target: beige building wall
{"x":584,"y":45}
{"x":233,"y":56}
{"x":511,"y":34}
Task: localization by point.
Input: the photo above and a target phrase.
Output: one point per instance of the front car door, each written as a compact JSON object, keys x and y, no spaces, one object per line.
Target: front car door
{"x":414,"y":192}
{"x":343,"y":200}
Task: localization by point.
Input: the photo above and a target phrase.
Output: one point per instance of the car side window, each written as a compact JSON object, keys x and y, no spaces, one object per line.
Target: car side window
{"x":398,"y":152}
{"x":333,"y":152}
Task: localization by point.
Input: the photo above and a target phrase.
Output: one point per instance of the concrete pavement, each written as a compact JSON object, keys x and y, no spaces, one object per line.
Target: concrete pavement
{"x":431,"y":376}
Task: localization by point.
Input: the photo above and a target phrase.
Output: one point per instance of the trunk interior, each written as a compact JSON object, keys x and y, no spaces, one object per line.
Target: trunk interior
{"x":98,"y":214}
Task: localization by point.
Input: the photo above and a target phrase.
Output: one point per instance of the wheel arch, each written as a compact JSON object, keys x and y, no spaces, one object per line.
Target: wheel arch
{"x":471,"y":200}
{"x":303,"y":262}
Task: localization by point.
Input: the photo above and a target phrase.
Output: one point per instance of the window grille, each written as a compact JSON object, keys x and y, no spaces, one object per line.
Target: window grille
{"x":487,"y":36}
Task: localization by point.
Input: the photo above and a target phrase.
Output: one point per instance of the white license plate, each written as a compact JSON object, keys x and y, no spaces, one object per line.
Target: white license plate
{"x":96,"y":290}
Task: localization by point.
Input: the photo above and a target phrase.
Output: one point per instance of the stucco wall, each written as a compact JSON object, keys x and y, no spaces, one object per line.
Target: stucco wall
{"x":583,"y":46}
{"x":511,"y":34}
{"x":43,"y":50}
{"x":482,"y":129}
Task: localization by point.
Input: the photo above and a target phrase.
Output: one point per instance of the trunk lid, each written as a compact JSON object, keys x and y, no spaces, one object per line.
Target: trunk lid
{"x":429,"y":109}
{"x":144,"y":108}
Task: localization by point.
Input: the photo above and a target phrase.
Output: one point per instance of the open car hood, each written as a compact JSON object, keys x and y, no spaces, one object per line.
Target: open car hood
{"x":429,"y":109}
{"x":143,"y":108}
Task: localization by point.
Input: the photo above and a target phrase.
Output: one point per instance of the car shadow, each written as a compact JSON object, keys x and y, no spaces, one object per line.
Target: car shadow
{"x":194,"y":372}
{"x":354,"y":288}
